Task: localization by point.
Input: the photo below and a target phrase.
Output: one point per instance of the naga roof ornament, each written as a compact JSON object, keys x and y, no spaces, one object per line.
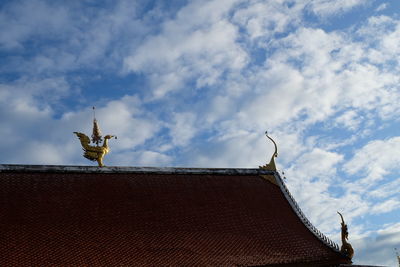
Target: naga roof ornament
{"x":271,"y":165}
{"x":346,"y":248}
{"x":95,"y":152}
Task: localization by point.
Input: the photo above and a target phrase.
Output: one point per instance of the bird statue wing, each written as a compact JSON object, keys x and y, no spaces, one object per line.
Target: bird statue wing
{"x":85,"y":141}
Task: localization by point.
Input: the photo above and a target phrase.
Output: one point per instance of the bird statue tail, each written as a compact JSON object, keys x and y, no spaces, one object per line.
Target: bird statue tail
{"x":85,"y":141}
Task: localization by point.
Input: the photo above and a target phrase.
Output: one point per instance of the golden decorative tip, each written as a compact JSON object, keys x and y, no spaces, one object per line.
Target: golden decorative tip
{"x":96,"y":135}
{"x":271,"y":165}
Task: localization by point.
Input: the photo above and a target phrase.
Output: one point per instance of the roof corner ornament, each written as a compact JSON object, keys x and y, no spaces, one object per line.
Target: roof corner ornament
{"x":346,"y":248}
{"x":95,"y":152}
{"x":271,"y":165}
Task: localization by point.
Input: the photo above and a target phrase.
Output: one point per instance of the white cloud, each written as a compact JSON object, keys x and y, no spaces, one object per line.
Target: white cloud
{"x":233,"y":151}
{"x":378,"y":250}
{"x":317,"y":163}
{"x":252,"y":17}
{"x":382,"y":7}
{"x":26,"y":107}
{"x":24,"y":19}
{"x":349,"y":119}
{"x":384,"y":207}
{"x":376,"y":159}
{"x":137,"y":158}
{"x":329,"y":7}
{"x":183,"y":128}
{"x":199,"y":44}
{"x":68,"y":37}
{"x":387,"y":189}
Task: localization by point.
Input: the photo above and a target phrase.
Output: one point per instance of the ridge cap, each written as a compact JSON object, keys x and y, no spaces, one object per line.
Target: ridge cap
{"x":129,"y":169}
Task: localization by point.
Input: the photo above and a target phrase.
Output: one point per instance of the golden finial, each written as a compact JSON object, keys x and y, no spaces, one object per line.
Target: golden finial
{"x":346,"y":248}
{"x":271,"y":165}
{"x":91,"y":152}
{"x":96,"y":135}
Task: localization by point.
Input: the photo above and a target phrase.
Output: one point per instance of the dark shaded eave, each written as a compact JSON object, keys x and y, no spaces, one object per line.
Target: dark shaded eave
{"x":167,"y":216}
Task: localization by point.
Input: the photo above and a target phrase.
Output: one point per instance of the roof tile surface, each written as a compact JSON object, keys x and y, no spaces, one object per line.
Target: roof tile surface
{"x":150,"y":219}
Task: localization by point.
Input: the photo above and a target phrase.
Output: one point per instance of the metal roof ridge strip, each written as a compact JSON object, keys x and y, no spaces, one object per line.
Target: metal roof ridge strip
{"x":115,"y":169}
{"x":303,"y":217}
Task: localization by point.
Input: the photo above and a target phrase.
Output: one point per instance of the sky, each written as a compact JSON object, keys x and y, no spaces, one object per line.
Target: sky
{"x":197,"y":83}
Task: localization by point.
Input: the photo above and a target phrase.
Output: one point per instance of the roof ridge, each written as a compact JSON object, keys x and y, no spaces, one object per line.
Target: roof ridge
{"x":127,"y":169}
{"x":327,"y":241}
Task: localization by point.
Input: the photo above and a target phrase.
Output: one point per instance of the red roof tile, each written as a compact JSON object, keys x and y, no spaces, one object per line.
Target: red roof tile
{"x":152,"y":219}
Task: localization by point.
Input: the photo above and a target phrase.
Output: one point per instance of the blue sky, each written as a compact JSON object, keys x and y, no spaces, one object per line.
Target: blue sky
{"x":197,"y":83}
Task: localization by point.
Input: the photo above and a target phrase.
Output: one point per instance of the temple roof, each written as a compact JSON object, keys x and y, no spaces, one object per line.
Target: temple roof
{"x":127,"y":216}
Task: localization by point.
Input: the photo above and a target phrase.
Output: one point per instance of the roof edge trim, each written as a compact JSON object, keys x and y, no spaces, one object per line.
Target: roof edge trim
{"x":303,"y":217}
{"x":115,"y":169}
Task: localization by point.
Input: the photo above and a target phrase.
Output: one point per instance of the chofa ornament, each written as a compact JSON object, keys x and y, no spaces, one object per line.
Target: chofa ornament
{"x":271,"y":165}
{"x":95,"y":152}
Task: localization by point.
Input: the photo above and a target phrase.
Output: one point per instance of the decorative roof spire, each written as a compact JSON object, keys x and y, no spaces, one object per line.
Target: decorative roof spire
{"x":346,"y":248}
{"x":96,"y":135}
{"x":271,"y":165}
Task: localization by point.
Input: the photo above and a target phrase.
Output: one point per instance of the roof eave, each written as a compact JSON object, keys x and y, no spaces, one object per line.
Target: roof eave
{"x":296,"y":208}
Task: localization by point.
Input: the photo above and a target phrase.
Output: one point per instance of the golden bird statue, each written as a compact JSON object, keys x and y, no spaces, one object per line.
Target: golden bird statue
{"x":95,"y":152}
